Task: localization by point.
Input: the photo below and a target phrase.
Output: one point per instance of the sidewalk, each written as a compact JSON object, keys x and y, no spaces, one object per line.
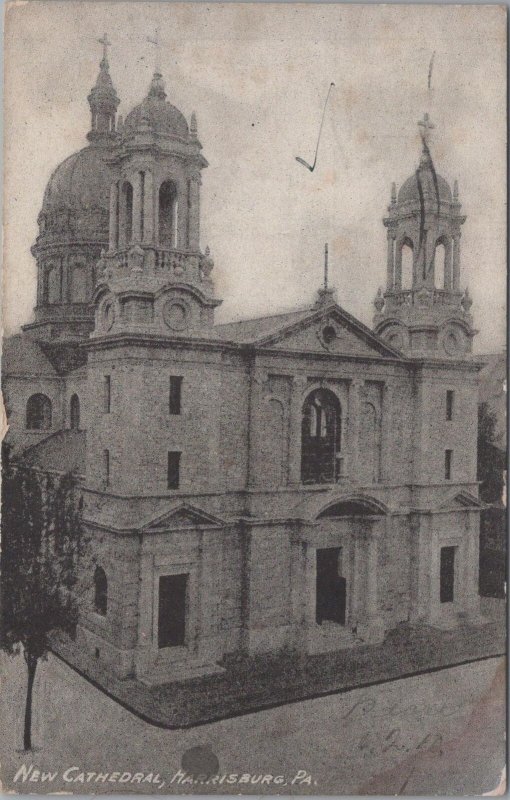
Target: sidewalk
{"x":251,"y":684}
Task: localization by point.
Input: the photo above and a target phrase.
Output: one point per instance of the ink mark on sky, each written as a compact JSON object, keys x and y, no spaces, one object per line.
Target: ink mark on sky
{"x":301,"y":160}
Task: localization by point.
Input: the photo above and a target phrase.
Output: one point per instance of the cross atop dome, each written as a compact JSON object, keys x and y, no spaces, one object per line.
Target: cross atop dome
{"x":106,"y":44}
{"x":156,"y":42}
{"x":426,"y":127}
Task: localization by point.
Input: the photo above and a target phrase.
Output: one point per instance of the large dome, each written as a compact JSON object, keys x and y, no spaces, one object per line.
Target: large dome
{"x":410,"y":191}
{"x":161,"y":117}
{"x":77,"y":196}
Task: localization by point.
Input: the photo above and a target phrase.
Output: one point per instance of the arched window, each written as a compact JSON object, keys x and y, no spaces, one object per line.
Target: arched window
{"x":370,"y":444}
{"x":100,"y":592}
{"x":38,"y":416}
{"x":79,"y":283}
{"x":442,"y":270}
{"x":127,"y":202}
{"x":321,"y":432}
{"x":54,"y":284}
{"x":168,"y":214}
{"x":74,"y":408}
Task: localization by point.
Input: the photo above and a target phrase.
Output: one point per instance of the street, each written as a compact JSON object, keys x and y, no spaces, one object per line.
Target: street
{"x":436,"y":733}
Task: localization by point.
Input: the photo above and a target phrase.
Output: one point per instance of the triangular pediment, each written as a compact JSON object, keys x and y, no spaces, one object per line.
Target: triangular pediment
{"x":183,"y":516}
{"x":329,"y":330}
{"x":463,"y":500}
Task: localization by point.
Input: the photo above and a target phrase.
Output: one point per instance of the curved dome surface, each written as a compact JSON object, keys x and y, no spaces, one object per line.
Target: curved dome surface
{"x":77,"y":195}
{"x":160,"y":115}
{"x":409,"y":191}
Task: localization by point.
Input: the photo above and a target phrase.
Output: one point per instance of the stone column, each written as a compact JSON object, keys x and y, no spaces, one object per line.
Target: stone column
{"x":434,"y":610}
{"x":182,"y":216}
{"x":122,"y":219}
{"x":397,"y":283}
{"x":65,"y":283}
{"x":156,"y":209}
{"x":136,"y":180}
{"x":448,"y":264}
{"x":296,"y":406}
{"x":456,"y":262}
{"x":193,"y":211}
{"x":354,"y":418}
{"x":390,"y":266}
{"x":114,"y":231}
{"x":257,"y":379}
{"x":145,"y":614}
{"x":148,"y":208}
{"x":471,"y":555}
{"x":387,"y":431}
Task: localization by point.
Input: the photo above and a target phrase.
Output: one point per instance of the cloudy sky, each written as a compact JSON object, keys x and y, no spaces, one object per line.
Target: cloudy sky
{"x":257,"y":76}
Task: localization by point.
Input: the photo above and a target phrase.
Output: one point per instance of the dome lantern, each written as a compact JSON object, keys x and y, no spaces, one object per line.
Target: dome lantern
{"x":103,"y":100}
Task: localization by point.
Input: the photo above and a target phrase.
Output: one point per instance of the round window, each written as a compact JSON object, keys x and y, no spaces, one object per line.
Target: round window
{"x":175,"y":315}
{"x":329,"y":334}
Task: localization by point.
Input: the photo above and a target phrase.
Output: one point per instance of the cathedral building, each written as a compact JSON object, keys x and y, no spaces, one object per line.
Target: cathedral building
{"x":294,"y":481}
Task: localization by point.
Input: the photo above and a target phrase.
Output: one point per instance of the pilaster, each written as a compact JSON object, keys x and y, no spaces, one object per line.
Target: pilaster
{"x":296,"y":406}
{"x":136,"y":180}
{"x":148,"y":208}
{"x":353,"y":433}
{"x":114,"y":221}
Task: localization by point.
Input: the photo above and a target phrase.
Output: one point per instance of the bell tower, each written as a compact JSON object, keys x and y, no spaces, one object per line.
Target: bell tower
{"x":423,"y":310}
{"x":154,"y":278}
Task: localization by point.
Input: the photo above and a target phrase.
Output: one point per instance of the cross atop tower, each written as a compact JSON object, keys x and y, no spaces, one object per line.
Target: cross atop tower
{"x":157,"y":44}
{"x":426,"y":127}
{"x":106,"y":44}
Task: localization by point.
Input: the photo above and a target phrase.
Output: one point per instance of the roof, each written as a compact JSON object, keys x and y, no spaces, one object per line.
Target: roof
{"x":81,"y":181}
{"x":410,"y":191}
{"x":160,"y":116}
{"x":63,"y":451}
{"x":251,"y":330}
{"x":22,"y":355}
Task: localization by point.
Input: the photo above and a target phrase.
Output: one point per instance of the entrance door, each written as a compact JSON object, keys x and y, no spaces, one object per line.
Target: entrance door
{"x":172,"y":610}
{"x":331,"y":587}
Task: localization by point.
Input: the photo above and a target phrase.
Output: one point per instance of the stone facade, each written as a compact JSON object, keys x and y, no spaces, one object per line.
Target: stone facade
{"x":296,"y":481}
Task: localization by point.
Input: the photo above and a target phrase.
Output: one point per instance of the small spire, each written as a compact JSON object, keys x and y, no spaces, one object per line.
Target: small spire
{"x":456,"y":190}
{"x":325,"y":267}
{"x":103,"y":100}
{"x":193,"y":125}
{"x":379,"y":300}
{"x":393,"y":193}
{"x":157,"y":87}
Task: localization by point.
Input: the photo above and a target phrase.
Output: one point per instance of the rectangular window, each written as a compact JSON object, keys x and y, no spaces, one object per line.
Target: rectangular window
{"x":107,"y":394}
{"x":175,"y":394}
{"x":447,"y":574}
{"x":448,"y":458}
{"x":174,"y":460}
{"x":449,"y":405}
{"x":172,"y":610}
{"x":106,"y":466}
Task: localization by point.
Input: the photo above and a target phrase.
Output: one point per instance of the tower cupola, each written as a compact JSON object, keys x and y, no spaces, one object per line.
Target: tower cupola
{"x":423,"y":310}
{"x":103,"y":100}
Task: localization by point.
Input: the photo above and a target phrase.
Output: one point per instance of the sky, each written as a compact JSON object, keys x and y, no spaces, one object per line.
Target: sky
{"x":257,"y":76}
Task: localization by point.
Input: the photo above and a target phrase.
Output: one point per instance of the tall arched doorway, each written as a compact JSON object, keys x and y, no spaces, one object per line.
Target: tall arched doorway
{"x":321,"y":432}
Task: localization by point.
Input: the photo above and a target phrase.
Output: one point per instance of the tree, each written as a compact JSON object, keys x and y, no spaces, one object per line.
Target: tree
{"x":42,"y":544}
{"x":491,"y":461}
